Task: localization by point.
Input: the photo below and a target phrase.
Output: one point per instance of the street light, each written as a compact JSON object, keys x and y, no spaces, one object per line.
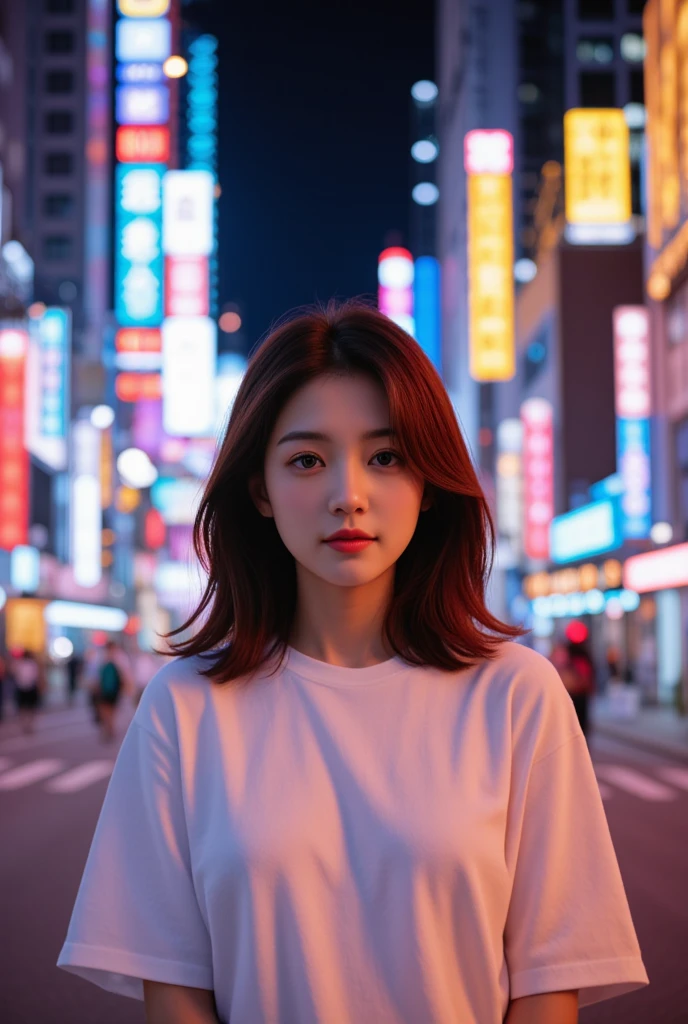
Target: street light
{"x":175,"y":67}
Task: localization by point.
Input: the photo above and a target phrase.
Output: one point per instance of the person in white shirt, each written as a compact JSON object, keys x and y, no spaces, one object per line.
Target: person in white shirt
{"x":352,"y":799}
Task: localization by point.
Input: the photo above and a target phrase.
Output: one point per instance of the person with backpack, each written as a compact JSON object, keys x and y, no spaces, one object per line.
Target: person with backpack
{"x":109,"y":689}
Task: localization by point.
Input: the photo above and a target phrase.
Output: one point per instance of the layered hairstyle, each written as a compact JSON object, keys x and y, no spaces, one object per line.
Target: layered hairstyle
{"x":437,"y":616}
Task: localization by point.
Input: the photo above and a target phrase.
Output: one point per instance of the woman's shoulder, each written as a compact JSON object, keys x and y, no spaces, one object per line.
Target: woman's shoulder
{"x":176,"y":690}
{"x":530,"y":689}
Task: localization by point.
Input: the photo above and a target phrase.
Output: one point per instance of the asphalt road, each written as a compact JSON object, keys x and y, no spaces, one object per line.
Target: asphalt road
{"x":51,"y":788}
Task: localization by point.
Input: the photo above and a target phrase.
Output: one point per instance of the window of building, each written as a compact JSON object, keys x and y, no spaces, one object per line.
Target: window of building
{"x":59,"y":42}
{"x":637,"y":87}
{"x":57,"y":247}
{"x":58,"y":205}
{"x":596,"y":10}
{"x":595,"y":51}
{"x":59,"y":122}
{"x":59,"y":6}
{"x":597,"y":88}
{"x":59,"y":81}
{"x":59,"y":163}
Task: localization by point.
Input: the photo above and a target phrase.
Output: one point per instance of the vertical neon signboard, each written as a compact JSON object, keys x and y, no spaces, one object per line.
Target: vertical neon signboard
{"x":14,"y":458}
{"x":538,"y":475}
{"x":597,"y":167}
{"x":489,"y":161}
{"x":426,"y":308}
{"x":633,"y":408}
{"x":395,"y":274}
{"x":138,"y":255}
{"x":47,"y":390}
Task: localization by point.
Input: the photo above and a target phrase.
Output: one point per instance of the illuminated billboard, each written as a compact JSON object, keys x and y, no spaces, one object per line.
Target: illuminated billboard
{"x":426,"y":308}
{"x":189,"y":353}
{"x":86,"y":505}
{"x":633,"y":408}
{"x":587,"y":531}
{"x":143,"y":8}
{"x":139,"y":262}
{"x":142,"y":104}
{"x":47,"y":386}
{"x":149,"y":144}
{"x":143,"y":39}
{"x":395,"y":275}
{"x":537,"y":418}
{"x":657,"y":570}
{"x":187,"y":286}
{"x":488,"y":160}
{"x":14,"y":458}
{"x":597,"y":170}
{"x":188,"y":213}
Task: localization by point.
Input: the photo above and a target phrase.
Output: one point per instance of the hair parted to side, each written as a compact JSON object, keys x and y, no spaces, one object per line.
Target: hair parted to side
{"x":438,"y":615}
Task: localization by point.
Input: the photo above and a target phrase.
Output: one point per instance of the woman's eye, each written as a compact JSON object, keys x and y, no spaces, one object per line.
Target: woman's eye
{"x":309,"y":461}
{"x":388,"y":458}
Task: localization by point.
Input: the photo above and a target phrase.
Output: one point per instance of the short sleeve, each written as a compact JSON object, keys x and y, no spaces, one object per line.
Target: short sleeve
{"x":569,"y":924}
{"x":136,"y":914}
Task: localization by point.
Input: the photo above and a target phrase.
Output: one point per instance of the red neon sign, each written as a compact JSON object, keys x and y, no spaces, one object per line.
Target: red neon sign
{"x":14,"y":458}
{"x":138,"y":339}
{"x":187,"y":286}
{"x":131,"y":387}
{"x":136,"y":144}
{"x":538,"y":475}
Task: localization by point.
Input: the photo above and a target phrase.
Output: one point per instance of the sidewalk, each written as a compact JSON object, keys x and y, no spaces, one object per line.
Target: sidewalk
{"x":657,"y":729}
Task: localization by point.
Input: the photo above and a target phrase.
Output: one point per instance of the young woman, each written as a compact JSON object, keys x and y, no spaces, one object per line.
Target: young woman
{"x":352,"y":800}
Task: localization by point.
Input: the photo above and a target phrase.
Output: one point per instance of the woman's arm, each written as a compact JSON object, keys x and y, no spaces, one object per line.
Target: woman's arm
{"x":548,"y":1008}
{"x":178,"y":1004}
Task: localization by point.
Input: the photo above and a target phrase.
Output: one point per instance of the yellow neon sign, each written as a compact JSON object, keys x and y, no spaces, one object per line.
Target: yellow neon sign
{"x":490,"y":277}
{"x":597,"y":167}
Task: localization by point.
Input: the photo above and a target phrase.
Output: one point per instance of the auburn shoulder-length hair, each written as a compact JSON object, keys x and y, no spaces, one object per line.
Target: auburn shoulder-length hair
{"x":437,"y":616}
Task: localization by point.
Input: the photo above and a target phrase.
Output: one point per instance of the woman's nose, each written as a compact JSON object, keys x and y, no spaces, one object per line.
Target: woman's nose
{"x":349,"y":493}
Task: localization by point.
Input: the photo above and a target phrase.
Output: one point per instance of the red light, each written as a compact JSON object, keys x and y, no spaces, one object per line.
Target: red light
{"x":576,"y":632}
{"x":138,"y":339}
{"x":14,"y":458}
{"x":99,"y":638}
{"x":131,"y":387}
{"x":136,"y":144}
{"x":395,"y":252}
{"x":133,"y":625}
{"x":154,"y":530}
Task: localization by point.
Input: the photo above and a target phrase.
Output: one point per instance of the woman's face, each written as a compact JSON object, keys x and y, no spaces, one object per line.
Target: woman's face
{"x":331,"y":464}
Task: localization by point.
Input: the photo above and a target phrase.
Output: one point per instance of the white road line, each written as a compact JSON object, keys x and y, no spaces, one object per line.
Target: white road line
{"x":635,"y":783}
{"x":80,"y":777}
{"x":676,"y":776}
{"x":36,"y":739}
{"x":605,"y":791}
{"x":34,"y":771}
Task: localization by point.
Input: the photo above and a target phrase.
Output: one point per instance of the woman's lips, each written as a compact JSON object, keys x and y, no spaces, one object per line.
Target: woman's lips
{"x":352,"y":546}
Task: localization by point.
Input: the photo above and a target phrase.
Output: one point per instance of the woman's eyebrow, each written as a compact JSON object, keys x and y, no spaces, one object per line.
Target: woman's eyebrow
{"x":315,"y":435}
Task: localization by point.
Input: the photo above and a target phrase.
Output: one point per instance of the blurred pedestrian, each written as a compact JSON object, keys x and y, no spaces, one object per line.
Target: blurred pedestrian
{"x":575,"y":666}
{"x":74,"y":666}
{"x":28,"y":685}
{"x":113,"y":681}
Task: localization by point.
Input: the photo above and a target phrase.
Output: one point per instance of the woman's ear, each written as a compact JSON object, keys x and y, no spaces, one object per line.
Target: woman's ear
{"x":428,"y":499}
{"x":259,"y":495}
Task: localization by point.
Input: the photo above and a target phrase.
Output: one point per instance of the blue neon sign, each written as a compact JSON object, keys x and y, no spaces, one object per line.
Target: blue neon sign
{"x":139,"y":262}
{"x":587,"y":531}
{"x":426,"y":308}
{"x":633,"y":458}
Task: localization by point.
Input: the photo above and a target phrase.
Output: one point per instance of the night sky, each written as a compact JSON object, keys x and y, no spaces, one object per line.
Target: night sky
{"x":314,"y":145}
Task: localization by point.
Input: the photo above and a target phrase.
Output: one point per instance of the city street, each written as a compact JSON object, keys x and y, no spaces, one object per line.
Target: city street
{"x":51,"y":788}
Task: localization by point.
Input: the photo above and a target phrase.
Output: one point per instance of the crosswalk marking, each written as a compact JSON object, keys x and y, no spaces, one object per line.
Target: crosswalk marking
{"x":605,"y":791}
{"x":634,"y":782}
{"x":80,"y":777}
{"x":34,"y":771}
{"x":676,"y":776}
{"x":4,"y":763}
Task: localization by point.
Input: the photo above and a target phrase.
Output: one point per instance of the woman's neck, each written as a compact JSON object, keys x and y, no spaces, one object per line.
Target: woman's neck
{"x":342,"y":625}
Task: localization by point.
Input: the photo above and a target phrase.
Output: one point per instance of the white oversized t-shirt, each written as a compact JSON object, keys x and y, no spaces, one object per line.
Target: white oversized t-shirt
{"x":391,"y":844}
